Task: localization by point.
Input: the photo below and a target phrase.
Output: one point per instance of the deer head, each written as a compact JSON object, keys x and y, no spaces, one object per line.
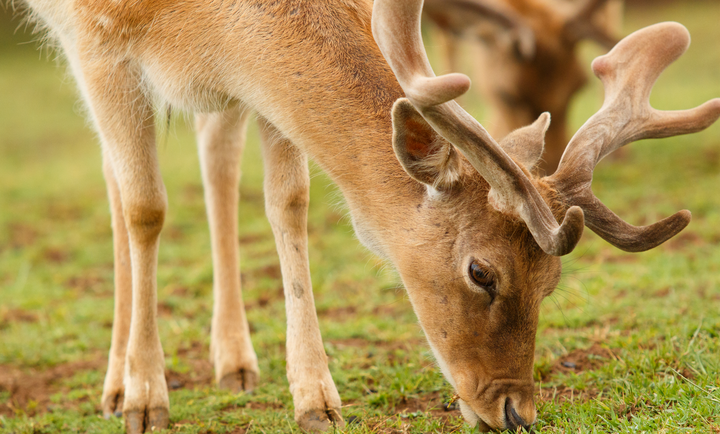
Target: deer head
{"x":527,"y":58}
{"x":479,"y":303}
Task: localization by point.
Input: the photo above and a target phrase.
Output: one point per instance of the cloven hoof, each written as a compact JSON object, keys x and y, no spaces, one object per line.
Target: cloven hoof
{"x":141,"y":421}
{"x":240,"y":381}
{"x":321,"y":420}
{"x":112,"y":405}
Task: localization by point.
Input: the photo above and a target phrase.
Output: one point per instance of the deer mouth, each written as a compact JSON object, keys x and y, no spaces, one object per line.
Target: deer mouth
{"x":510,"y":419}
{"x":472,"y":418}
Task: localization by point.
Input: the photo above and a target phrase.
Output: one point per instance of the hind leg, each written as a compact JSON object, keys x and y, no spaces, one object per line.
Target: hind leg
{"x":221,"y":139}
{"x":287,"y":195}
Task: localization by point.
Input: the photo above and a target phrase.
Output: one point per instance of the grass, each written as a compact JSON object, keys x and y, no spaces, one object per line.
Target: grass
{"x":628,"y":343}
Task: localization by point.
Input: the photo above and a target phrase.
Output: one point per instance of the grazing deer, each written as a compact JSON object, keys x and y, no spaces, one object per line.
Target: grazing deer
{"x":473,"y":234}
{"x":527,"y":61}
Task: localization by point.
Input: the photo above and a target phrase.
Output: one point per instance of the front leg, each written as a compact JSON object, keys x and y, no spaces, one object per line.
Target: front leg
{"x":124,"y":118}
{"x":221,"y":138}
{"x":113,"y":389}
{"x":287,"y":194}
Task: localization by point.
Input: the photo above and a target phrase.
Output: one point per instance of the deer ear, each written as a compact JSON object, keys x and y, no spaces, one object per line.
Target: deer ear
{"x":425,"y":155}
{"x":525,"y":145}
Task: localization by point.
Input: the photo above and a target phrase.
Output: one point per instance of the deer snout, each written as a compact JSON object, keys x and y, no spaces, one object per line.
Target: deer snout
{"x":519,"y":417}
{"x":504,"y":404}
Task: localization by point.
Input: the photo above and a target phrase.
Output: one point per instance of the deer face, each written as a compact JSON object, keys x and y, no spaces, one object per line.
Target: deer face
{"x":478,"y":295}
{"x":523,"y":88}
{"x":487,"y":243}
{"x":478,"y":301}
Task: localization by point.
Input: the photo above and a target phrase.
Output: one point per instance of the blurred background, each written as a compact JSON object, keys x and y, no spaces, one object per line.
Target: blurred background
{"x":628,"y":342}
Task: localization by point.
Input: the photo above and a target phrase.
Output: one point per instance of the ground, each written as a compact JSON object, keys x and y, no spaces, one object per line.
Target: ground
{"x":628,"y":343}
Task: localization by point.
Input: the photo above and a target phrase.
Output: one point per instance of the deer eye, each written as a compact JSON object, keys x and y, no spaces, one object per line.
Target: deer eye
{"x":482,"y":275}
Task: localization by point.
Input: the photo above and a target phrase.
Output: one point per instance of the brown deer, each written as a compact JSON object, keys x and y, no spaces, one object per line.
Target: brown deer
{"x":526,"y":59}
{"x":473,"y":234}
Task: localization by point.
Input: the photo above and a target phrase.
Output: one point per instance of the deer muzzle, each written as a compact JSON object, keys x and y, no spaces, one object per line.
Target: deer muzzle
{"x":504,"y":404}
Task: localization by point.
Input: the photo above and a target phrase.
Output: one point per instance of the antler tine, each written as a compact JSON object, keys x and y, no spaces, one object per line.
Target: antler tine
{"x":580,"y":25}
{"x":396,"y":27}
{"x":628,"y":74}
{"x":466,"y":18}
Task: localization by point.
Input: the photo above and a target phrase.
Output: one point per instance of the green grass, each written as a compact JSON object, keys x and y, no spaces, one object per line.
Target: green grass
{"x":642,"y":329}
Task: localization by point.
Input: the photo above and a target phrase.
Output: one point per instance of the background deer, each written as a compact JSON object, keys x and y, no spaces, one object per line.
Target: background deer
{"x":525,"y":56}
{"x":473,"y":234}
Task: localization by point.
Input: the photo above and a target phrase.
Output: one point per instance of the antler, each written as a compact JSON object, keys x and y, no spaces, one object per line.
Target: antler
{"x":461,"y":16}
{"x":580,"y":25}
{"x":396,"y":27}
{"x":628,"y":74}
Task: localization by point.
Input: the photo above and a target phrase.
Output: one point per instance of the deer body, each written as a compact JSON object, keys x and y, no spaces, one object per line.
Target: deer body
{"x":474,"y":236}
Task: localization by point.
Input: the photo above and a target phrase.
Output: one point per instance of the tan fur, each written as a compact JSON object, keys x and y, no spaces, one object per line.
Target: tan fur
{"x":321,"y":88}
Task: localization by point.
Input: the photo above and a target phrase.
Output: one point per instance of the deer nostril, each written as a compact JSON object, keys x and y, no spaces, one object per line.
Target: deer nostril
{"x":512,"y":419}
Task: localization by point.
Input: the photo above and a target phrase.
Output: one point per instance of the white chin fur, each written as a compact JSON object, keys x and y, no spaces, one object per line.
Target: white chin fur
{"x":472,"y":418}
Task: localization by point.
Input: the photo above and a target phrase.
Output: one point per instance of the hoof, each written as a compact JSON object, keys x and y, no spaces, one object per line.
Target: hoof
{"x":112,"y":405}
{"x":141,"y":421}
{"x":241,"y":381}
{"x":321,"y":420}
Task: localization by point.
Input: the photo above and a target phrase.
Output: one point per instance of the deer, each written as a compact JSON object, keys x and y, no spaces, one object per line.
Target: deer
{"x":525,"y":55}
{"x":475,"y":235}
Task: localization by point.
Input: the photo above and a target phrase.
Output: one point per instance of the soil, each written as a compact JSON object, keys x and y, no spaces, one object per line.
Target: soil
{"x":576,"y":361}
{"x":431,"y":403}
{"x":385,"y":345}
{"x":339,"y":314}
{"x":8,"y":316}
{"x":21,"y":235}
{"x":30,"y":389}
{"x":90,"y":284}
{"x":582,"y":360}
{"x":685,"y":239}
{"x":563,"y":393}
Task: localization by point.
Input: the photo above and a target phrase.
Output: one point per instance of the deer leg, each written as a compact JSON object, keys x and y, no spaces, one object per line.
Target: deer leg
{"x":113,"y":390}
{"x":221,"y":138}
{"x":287,"y":194}
{"x":124,"y":118}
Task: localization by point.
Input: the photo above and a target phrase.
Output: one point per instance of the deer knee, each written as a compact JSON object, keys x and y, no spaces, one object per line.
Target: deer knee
{"x":288,"y":206}
{"x":144,"y":219}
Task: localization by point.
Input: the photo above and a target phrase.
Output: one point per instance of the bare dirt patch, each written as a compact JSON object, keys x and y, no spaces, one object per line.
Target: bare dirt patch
{"x":251,"y":239}
{"x":684,"y":240}
{"x":56,"y":255}
{"x":200,"y":373}
{"x":405,"y":345}
{"x":10,"y":316}
{"x":277,"y":294}
{"x":30,"y":389}
{"x":253,"y":405}
{"x":563,"y":393}
{"x":582,"y":360}
{"x":91,"y":284}
{"x":21,"y":235}
{"x":339,"y":314}
{"x":614,"y":257}
{"x":576,"y":361}
{"x":272,"y":271}
{"x":431,"y":405}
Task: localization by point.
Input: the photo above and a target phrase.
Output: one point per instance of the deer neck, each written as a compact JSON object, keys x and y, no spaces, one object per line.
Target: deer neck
{"x":381,"y":197}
